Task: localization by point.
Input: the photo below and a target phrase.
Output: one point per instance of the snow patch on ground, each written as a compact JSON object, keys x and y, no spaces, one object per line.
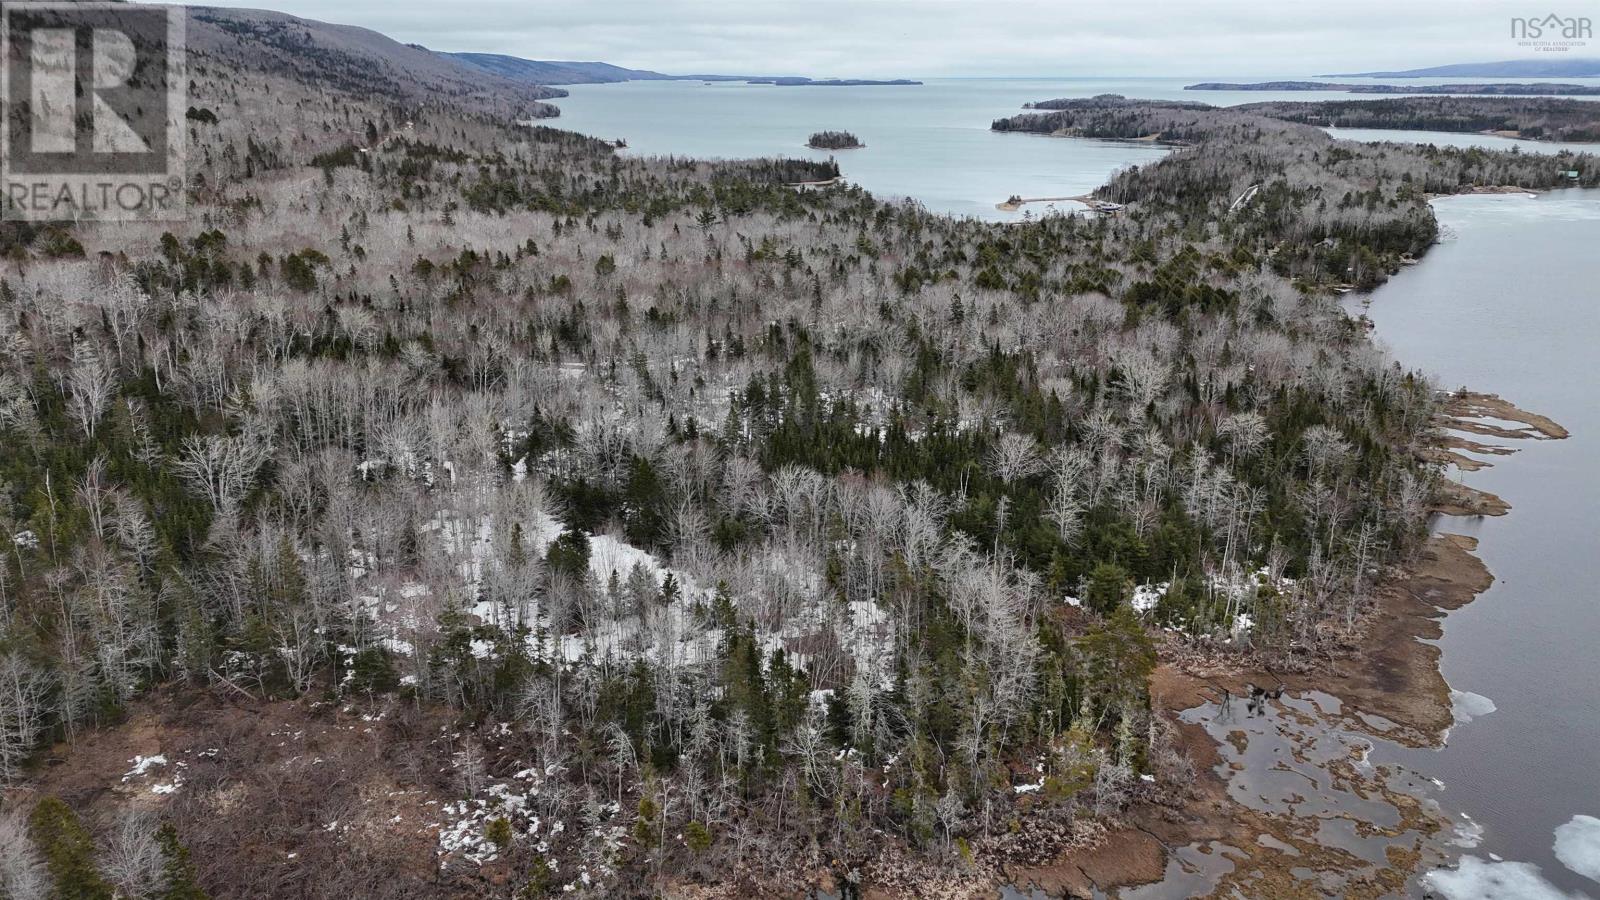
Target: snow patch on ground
{"x":1147,"y":597}
{"x":611,"y":556}
{"x":782,"y":591}
{"x":1244,"y":585}
{"x":466,"y":835}
{"x":143,"y":764}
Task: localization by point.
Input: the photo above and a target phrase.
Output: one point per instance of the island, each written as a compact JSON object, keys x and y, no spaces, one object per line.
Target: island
{"x":834,"y":140}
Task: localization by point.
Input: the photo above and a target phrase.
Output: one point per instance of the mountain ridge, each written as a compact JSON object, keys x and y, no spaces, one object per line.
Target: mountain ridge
{"x":1586,"y":67}
{"x":355,"y":58}
{"x":1537,"y":89}
{"x":553,"y":72}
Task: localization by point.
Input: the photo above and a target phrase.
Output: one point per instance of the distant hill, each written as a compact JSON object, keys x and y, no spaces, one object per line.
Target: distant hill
{"x":539,"y":71}
{"x":546,"y":72}
{"x":349,"y":58}
{"x":1511,"y":68}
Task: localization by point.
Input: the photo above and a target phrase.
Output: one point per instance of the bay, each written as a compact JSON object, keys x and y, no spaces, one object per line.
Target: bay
{"x":928,"y":142}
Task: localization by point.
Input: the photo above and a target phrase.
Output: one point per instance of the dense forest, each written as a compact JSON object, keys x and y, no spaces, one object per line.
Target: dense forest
{"x":1316,"y":209}
{"x":1539,"y":118}
{"x":460,"y":507}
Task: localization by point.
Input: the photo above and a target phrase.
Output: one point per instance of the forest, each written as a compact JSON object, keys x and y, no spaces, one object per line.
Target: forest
{"x":1536,"y":118}
{"x":456,"y":506}
{"x":834,"y":140}
{"x":1317,"y":210}
{"x":1541,"y":118}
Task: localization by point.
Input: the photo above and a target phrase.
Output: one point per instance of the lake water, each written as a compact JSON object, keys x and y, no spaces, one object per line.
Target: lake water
{"x":1507,"y":303}
{"x":930,"y":142}
{"x":1450,"y":139}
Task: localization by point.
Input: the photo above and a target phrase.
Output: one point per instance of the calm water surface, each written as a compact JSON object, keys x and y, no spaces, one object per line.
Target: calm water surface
{"x":930,"y":142}
{"x":1509,"y":303}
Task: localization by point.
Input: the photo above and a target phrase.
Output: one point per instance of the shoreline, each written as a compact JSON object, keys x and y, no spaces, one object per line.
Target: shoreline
{"x":1392,"y":674}
{"x":837,"y":179}
{"x":1020,"y":202}
{"x":1094,"y":204}
{"x":1387,"y":684}
{"x":1470,"y":413}
{"x":1481,"y":189}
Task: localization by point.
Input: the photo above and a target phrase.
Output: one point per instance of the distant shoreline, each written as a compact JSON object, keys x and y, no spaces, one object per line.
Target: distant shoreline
{"x":1500,"y":189}
{"x":837,"y":179}
{"x":1499,"y":89}
{"x":1510,"y":68}
{"x":1093,"y":203}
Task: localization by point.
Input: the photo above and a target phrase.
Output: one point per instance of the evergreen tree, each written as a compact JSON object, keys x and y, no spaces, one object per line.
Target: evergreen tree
{"x":68,"y":850}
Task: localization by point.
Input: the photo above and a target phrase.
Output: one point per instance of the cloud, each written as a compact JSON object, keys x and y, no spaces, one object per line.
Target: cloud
{"x":951,"y":37}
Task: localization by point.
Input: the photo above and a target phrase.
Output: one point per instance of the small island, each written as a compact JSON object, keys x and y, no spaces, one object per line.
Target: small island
{"x":834,"y":140}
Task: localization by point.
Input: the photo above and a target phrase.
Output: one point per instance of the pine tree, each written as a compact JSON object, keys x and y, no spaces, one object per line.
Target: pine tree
{"x":68,"y":850}
{"x":177,"y":870}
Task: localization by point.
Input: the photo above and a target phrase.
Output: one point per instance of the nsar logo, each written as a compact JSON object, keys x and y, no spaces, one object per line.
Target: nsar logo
{"x":1552,"y":32}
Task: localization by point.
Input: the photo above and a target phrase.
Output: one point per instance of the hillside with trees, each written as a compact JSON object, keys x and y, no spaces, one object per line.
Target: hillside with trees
{"x":320,"y":56}
{"x":1540,"y":118}
{"x":456,"y":507}
{"x":548,"y":72}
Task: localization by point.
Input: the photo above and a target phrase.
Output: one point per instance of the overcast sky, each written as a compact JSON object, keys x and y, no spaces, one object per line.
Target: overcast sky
{"x":963,"y":37}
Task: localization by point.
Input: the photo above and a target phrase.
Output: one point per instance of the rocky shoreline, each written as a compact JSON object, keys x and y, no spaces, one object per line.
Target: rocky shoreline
{"x":1384,"y":682}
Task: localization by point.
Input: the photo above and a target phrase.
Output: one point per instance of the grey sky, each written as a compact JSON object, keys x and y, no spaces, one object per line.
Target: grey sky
{"x":963,"y":37}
